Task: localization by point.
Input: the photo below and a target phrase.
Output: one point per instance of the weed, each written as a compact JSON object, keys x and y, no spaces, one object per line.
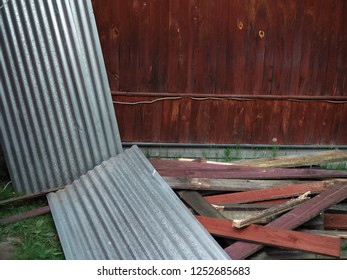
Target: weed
{"x":231,"y":154}
{"x":37,"y":236}
{"x":274,"y":150}
{"x":335,"y":166}
{"x":148,"y":154}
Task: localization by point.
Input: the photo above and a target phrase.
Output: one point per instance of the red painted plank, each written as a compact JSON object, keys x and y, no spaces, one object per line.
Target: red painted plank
{"x":319,"y":244}
{"x":294,"y":218}
{"x":172,"y":168}
{"x":335,"y":221}
{"x":267,"y":194}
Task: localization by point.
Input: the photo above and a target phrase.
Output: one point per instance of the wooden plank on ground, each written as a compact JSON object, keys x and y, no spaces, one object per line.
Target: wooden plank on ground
{"x":294,"y":218}
{"x":234,"y":185}
{"x":335,"y":221}
{"x":276,"y":237}
{"x":270,"y":212}
{"x":199,"y":204}
{"x":25,"y":215}
{"x":174,"y":168}
{"x":28,"y":196}
{"x":269,"y":194}
{"x":202,"y":207}
{"x":317,"y":158}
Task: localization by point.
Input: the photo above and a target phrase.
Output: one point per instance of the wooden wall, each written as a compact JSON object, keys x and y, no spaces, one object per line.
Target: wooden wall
{"x":270,"y":69}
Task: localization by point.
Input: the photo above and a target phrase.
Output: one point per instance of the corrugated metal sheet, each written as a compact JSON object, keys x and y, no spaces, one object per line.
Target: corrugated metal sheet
{"x":123,"y":209}
{"x":57,"y":120}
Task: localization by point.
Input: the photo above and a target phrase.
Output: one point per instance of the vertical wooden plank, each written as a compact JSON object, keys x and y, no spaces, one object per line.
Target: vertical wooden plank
{"x":218,"y":119}
{"x":236,"y":47}
{"x":143,"y":47}
{"x":339,"y":124}
{"x":163,"y":52}
{"x":269,"y":49}
{"x":276,"y":133}
{"x":192,"y":44}
{"x":285,"y":119}
{"x":336,"y":23}
{"x":183,"y":42}
{"x":250,"y":48}
{"x":211,"y":46}
{"x":170,"y":124}
{"x":153,"y":46}
{"x":185,"y":120}
{"x":203,"y":122}
{"x":134,"y":45}
{"x":139,"y":120}
{"x":222,"y":33}
{"x":125,"y":118}
{"x":173,"y":46}
{"x":301,"y":12}
{"x":323,"y":31}
{"x":194,"y":109}
{"x":125,"y":76}
{"x":284,"y":46}
{"x":260,"y":43}
{"x":108,"y":22}
{"x":200,"y":53}
{"x":305,"y":61}
{"x":341,"y":75}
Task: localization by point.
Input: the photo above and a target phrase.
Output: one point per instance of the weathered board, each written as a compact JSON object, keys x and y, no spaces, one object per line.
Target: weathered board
{"x":335,"y":221}
{"x":268,"y":194}
{"x":294,"y":218}
{"x":174,"y":168}
{"x":293,"y":54}
{"x":276,"y":237}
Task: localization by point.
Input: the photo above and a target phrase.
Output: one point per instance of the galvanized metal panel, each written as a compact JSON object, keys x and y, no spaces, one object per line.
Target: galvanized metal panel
{"x":57,"y":119}
{"x":123,"y":209}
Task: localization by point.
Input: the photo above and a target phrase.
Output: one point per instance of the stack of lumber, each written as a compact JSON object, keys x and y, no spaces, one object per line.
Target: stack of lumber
{"x":278,"y":208}
{"x":267,"y":208}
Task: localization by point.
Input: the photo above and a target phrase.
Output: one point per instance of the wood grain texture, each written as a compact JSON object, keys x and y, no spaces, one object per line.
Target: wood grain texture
{"x":276,"y":237}
{"x":233,"y":185}
{"x":268,"y":194}
{"x":299,"y":215}
{"x":173,"y":168}
{"x":335,"y":221}
{"x":213,"y":48}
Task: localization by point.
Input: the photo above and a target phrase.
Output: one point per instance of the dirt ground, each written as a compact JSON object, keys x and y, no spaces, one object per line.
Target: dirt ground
{"x":7,"y":248}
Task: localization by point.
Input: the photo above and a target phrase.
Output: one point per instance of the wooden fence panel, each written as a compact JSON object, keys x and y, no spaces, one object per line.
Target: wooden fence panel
{"x":220,"y":49}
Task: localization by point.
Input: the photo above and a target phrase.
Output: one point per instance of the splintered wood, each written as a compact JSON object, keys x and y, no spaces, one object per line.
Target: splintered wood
{"x":232,"y":201}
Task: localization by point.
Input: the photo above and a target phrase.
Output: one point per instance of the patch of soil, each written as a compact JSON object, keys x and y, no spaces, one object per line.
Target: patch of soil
{"x":7,"y":248}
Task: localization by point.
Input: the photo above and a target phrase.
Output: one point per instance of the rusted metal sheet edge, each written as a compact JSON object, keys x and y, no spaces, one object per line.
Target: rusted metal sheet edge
{"x":123,"y":209}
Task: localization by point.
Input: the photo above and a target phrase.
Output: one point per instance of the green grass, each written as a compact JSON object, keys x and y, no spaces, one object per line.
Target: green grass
{"x":232,"y":154}
{"x":335,"y":166}
{"x":37,"y":237}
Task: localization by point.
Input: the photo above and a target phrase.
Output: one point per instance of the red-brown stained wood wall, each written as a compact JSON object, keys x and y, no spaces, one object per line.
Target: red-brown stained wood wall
{"x":286,"y":59}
